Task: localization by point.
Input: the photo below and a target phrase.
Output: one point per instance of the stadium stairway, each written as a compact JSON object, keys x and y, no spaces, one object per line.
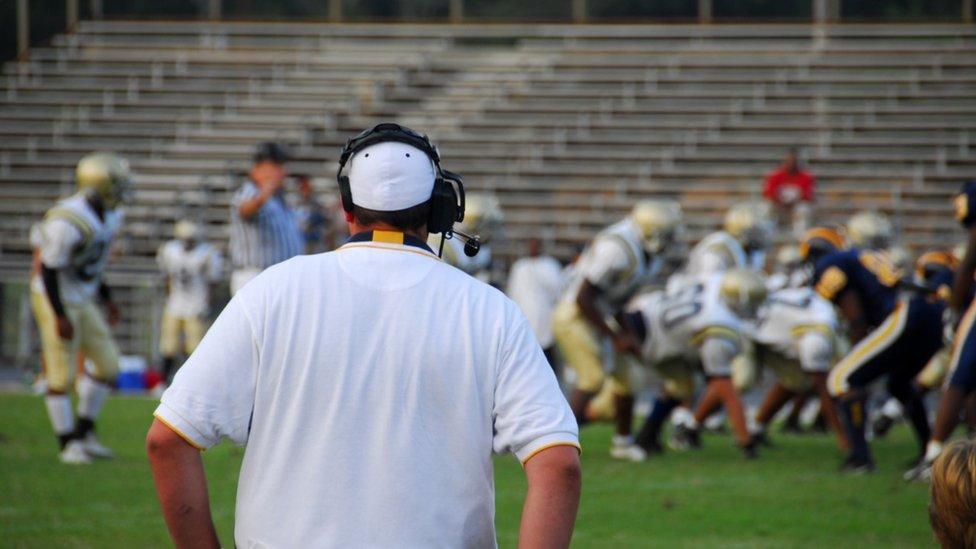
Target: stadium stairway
{"x":568,"y":125}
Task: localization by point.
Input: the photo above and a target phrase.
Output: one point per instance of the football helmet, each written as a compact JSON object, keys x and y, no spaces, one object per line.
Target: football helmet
{"x":870,"y":230}
{"x":743,"y":291}
{"x":186,"y":230}
{"x":659,"y":222}
{"x":819,"y":241}
{"x":900,"y":258}
{"x":105,"y":175}
{"x":749,"y":223}
{"x":932,"y":263}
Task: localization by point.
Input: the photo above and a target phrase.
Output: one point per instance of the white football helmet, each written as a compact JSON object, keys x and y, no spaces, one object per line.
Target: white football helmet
{"x":743,"y":291}
{"x":659,"y":222}
{"x":751,"y":224}
{"x":186,"y":229}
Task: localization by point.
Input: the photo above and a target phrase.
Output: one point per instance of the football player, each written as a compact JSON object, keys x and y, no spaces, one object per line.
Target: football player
{"x":700,"y":323}
{"x":796,"y":338}
{"x":742,"y":243}
{"x":961,"y":380}
{"x":891,"y":336}
{"x":482,"y":217}
{"x":591,"y":311}
{"x":74,"y":241}
{"x":191,"y":267}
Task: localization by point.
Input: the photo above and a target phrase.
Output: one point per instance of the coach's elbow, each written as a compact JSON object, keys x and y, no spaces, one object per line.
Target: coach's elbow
{"x":161,"y":441}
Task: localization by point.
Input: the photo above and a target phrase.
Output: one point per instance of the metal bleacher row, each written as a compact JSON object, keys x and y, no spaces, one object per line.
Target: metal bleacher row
{"x":567,"y":124}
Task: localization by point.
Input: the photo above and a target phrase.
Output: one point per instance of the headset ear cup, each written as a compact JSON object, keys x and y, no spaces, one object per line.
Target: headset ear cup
{"x":443,"y":207}
{"x":345,"y":193}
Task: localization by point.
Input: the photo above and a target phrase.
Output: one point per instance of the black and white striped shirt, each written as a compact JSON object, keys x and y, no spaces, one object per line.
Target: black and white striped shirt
{"x":268,"y":237}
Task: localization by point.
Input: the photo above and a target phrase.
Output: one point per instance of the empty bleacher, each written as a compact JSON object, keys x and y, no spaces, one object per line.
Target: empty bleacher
{"x":568,"y":125}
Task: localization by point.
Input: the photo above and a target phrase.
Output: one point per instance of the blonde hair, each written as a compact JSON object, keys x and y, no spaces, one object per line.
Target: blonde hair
{"x":952,"y":510}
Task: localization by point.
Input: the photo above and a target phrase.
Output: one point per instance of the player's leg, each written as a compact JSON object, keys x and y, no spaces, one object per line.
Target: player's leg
{"x":99,"y":346}
{"x":848,"y":381}
{"x":169,"y":333}
{"x":580,"y":348}
{"x":58,"y":356}
{"x":772,"y":403}
{"x":679,"y":385}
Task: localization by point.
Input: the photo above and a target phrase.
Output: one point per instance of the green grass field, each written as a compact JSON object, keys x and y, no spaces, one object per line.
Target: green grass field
{"x":791,"y":497}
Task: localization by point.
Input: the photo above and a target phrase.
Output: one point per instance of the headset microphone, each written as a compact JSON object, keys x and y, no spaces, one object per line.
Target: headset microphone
{"x":472,"y":243}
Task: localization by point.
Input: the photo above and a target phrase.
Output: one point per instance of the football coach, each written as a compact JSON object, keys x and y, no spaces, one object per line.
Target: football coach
{"x":370,"y":386}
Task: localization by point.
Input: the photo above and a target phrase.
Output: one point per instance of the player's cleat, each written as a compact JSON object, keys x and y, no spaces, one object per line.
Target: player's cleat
{"x":922,"y":472}
{"x":854,"y":465}
{"x":760,"y":439}
{"x":632,"y":453}
{"x":684,"y":438}
{"x":74,"y":453}
{"x":620,"y":447}
{"x":750,"y":450}
{"x":94,"y":448}
{"x":881,"y":426}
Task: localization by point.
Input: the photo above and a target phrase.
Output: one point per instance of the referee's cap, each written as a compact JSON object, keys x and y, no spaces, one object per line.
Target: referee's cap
{"x":269,"y":151}
{"x":390,"y":176}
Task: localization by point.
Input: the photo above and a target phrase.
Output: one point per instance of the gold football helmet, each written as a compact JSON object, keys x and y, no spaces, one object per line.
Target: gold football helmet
{"x":870,"y":230}
{"x":186,"y":230}
{"x":820,"y":240}
{"x":930,"y":263}
{"x":105,"y":175}
{"x":659,"y":222}
{"x":749,"y":223}
{"x":743,"y":291}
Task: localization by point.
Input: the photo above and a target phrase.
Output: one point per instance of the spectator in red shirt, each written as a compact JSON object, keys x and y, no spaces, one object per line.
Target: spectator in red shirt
{"x":790,"y":190}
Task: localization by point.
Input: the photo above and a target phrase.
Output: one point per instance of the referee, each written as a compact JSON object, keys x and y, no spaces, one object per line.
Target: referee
{"x":370,"y":386}
{"x":264,"y":230}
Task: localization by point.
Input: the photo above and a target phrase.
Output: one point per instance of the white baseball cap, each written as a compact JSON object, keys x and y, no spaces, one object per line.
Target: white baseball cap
{"x":390,"y":176}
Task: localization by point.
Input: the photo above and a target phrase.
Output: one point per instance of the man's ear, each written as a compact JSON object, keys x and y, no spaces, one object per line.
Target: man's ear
{"x":349,"y":217}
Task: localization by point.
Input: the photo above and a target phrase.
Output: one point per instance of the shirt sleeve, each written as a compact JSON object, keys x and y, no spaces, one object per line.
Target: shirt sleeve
{"x":530,"y":412}
{"x":246,"y":192}
{"x":809,"y":184}
{"x":58,"y":239}
{"x":605,"y":263}
{"x":829,"y":280}
{"x":212,"y":395}
{"x":215,"y":266}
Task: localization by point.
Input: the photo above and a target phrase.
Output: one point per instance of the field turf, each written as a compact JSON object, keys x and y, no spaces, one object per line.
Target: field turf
{"x":791,"y":497}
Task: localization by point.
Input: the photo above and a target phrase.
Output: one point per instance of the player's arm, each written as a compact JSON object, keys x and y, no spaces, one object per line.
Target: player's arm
{"x":963,"y":283}
{"x":586,"y":299}
{"x":181,"y":486}
{"x":554,"y":483}
{"x":250,"y":203}
{"x":50,"y":278}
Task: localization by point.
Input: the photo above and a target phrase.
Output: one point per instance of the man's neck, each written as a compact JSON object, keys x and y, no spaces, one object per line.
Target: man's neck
{"x":96,"y":206}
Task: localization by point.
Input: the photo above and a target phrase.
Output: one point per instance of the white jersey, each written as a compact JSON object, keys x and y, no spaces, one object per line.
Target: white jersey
{"x":536,"y":283}
{"x":615,"y":262}
{"x":371,"y":386}
{"x":678,"y":323}
{"x":788,"y":315}
{"x":190,"y":273}
{"x":76,"y":242}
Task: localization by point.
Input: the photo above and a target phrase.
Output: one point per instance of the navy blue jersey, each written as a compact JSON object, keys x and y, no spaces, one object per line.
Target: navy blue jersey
{"x":867,"y":273}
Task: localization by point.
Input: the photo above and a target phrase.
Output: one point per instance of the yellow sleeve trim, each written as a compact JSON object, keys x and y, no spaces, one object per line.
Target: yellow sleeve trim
{"x":551,"y":445}
{"x":180,"y":433}
{"x":716,"y":331}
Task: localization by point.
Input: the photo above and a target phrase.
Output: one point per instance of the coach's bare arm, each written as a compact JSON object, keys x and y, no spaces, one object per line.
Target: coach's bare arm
{"x":554,"y":478}
{"x":181,"y":487}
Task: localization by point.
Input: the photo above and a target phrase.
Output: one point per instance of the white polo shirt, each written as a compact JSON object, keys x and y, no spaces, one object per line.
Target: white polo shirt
{"x":370,"y":386}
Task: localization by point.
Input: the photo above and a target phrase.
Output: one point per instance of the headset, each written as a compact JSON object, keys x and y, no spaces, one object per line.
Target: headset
{"x":447,"y":197}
